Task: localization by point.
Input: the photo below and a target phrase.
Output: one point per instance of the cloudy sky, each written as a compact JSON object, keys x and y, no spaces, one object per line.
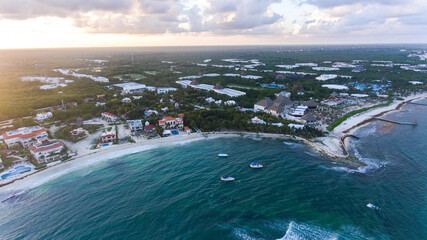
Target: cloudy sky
{"x":87,"y":23}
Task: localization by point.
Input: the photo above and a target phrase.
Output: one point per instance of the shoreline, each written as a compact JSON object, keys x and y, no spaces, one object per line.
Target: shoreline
{"x":334,"y":146}
{"x":338,"y":138}
{"x":44,"y":175}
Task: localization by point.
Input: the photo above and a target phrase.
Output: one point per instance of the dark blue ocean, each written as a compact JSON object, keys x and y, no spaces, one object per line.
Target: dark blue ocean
{"x":175,"y":192}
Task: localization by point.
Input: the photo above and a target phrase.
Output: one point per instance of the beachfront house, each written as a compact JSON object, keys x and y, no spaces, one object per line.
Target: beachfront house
{"x":135,"y":126}
{"x":187,"y":130}
{"x":25,"y":136}
{"x":149,"y":129}
{"x":45,"y":150}
{"x":44,"y":115}
{"x":108,"y":136}
{"x":172,"y":123}
{"x":1,"y":164}
{"x":109,"y":117}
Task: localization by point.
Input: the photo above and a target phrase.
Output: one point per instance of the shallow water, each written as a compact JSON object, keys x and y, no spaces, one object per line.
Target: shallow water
{"x":175,"y":193}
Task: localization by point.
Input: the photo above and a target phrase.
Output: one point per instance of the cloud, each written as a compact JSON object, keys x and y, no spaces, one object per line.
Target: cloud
{"x":148,"y":16}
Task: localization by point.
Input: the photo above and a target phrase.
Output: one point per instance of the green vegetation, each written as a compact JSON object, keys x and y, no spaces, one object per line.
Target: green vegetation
{"x":352,"y":113}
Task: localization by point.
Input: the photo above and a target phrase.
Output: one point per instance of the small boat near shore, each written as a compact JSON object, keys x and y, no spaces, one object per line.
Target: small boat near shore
{"x":226,"y":178}
{"x":222,"y":155}
{"x":255,"y":165}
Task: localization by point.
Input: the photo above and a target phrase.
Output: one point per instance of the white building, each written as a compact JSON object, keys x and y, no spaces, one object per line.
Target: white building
{"x":46,"y":150}
{"x":256,"y":120}
{"x":130,"y":87}
{"x":109,"y":117}
{"x":26,"y":136}
{"x":126,"y":100}
{"x":165,"y":90}
{"x":77,"y":131}
{"x":44,"y":115}
{"x":207,"y":87}
{"x":296,"y":126}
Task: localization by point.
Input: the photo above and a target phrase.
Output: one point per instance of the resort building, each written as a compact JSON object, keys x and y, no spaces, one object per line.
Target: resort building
{"x":310,"y":104}
{"x":108,"y":136}
{"x":99,"y":104}
{"x":130,"y":87}
{"x":263,"y":105}
{"x":299,"y":111}
{"x":109,"y":117}
{"x":257,"y":120}
{"x":46,"y":149}
{"x":171,"y":123}
{"x":78,"y":131}
{"x":44,"y":115}
{"x":218,"y":88}
{"x":276,"y":107}
{"x":162,"y":90}
{"x":26,"y":136}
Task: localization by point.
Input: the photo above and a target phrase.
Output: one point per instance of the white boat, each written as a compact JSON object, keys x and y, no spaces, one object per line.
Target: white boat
{"x":222,"y":155}
{"x":255,"y":165}
{"x":227,"y":178}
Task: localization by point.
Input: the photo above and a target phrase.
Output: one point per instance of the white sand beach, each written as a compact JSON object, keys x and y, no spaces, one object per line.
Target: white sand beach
{"x":349,"y":126}
{"x":52,"y":171}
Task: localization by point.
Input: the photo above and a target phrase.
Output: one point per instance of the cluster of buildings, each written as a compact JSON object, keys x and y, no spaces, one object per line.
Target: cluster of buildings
{"x":284,"y":107}
{"x":207,"y":87}
{"x":36,"y":139}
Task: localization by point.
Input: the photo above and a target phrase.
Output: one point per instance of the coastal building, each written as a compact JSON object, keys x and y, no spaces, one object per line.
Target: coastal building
{"x":45,"y":150}
{"x":130,"y":87}
{"x":207,"y":87}
{"x":25,"y":136}
{"x":1,"y":164}
{"x":150,"y":112}
{"x":108,"y":136}
{"x":310,"y":104}
{"x":135,"y":126}
{"x":100,"y":96}
{"x":299,"y":111}
{"x":149,"y":129}
{"x":257,"y":120}
{"x":162,"y":90}
{"x":44,"y":115}
{"x":78,"y":131}
{"x":187,"y":130}
{"x":309,"y":119}
{"x":295,"y":126}
{"x":73,"y":104}
{"x":171,"y":123}
{"x":126,"y":100}
{"x":109,"y":117}
{"x":263,"y":105}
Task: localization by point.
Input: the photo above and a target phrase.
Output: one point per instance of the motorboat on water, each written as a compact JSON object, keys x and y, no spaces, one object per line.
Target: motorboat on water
{"x":222,"y":155}
{"x":226,"y":178}
{"x":255,"y":165}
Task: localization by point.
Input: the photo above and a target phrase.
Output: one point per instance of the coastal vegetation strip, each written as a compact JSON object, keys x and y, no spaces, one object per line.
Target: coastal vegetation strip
{"x":352,"y":113}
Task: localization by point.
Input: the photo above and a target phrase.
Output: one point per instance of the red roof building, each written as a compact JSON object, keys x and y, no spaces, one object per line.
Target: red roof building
{"x":26,"y":136}
{"x":171,"y":123}
{"x":46,"y":150}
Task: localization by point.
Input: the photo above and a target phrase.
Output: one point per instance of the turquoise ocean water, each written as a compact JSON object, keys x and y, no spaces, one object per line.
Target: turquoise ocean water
{"x":175,"y":193}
